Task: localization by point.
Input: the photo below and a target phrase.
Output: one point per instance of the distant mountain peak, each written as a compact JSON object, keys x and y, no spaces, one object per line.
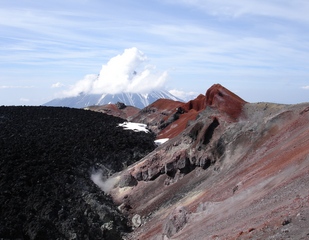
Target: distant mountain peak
{"x":139,"y":100}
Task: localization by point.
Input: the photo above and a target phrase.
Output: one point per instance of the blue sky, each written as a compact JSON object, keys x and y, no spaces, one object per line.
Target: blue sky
{"x":258,"y":49}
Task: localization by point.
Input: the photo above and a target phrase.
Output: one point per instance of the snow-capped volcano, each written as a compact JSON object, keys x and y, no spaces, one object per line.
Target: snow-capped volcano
{"x":126,"y":78}
{"x":131,"y":99}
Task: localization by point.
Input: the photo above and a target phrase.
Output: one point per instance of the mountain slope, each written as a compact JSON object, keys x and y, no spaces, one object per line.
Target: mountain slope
{"x":117,"y":110}
{"x":239,"y":171}
{"x":130,"y":99}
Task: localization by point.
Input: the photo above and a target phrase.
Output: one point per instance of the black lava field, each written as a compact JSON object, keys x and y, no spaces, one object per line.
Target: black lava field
{"x":47,"y":155}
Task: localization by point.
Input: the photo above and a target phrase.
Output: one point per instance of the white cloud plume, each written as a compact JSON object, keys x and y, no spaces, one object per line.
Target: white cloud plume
{"x":57,"y":85}
{"x":127,"y":72}
{"x":186,"y":96}
{"x":305,"y":87}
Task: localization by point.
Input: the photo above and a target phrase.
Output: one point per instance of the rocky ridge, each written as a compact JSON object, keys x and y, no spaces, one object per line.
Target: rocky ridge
{"x":118,"y":109}
{"x":169,"y":118}
{"x":237,"y":171}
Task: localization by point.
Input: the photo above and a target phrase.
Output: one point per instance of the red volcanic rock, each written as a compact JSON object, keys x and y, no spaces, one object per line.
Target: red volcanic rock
{"x":217,"y":97}
{"x":182,"y":115}
{"x":164,"y":105}
{"x":177,"y":126}
{"x":156,"y":114}
{"x":224,"y":100}
{"x":177,"y":115}
{"x":168,"y":118}
{"x":197,"y":104}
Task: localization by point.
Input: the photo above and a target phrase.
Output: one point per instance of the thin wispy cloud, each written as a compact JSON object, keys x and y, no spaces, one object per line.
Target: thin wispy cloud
{"x":229,"y":51}
{"x":24,"y":99}
{"x":15,"y":87}
{"x":184,"y":95}
{"x":296,"y":10}
{"x":57,"y":85}
{"x":199,"y":42}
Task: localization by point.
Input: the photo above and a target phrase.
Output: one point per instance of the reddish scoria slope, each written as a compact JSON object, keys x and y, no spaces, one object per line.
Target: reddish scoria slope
{"x":168,"y":118}
{"x":225,"y":101}
{"x":236,"y":172}
{"x":157,"y":115}
{"x":182,"y":115}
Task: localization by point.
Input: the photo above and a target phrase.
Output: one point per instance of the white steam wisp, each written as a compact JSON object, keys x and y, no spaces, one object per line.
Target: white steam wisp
{"x":105,"y":185}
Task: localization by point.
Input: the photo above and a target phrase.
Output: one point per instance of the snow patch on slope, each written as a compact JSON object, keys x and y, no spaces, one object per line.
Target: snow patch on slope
{"x":136,"y":127}
{"x":161,"y":141}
